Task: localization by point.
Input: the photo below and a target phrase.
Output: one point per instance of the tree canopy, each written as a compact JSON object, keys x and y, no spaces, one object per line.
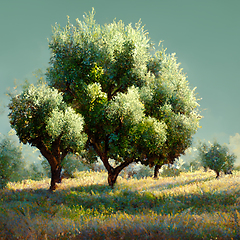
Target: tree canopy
{"x":41,"y":118}
{"x":137,"y":105}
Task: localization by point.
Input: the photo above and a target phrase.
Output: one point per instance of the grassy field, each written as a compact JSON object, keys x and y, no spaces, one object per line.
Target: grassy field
{"x":191,"y":206}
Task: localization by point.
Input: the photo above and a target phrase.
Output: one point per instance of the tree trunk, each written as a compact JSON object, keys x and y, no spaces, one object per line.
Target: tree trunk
{"x":112,"y":172}
{"x":54,"y":158}
{"x":56,"y":177}
{"x":112,"y":177}
{"x":217,"y":174}
{"x":156,"y":169}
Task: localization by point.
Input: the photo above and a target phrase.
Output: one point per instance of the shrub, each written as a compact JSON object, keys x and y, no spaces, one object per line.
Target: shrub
{"x":10,"y":161}
{"x":35,"y":172}
{"x":144,"y":171}
{"x":72,"y":163}
{"x":237,"y":168}
{"x":216,"y":157}
{"x":169,"y":171}
{"x":192,"y":166}
{"x":137,"y":170}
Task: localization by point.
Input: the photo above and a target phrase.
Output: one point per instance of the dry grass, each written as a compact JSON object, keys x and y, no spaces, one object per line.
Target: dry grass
{"x":190,"y":206}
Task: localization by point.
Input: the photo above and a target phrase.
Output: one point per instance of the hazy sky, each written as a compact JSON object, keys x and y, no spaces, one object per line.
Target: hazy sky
{"x":204,"y":34}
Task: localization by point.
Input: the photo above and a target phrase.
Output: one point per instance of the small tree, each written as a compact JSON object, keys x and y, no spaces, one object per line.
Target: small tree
{"x":216,"y":157}
{"x":41,"y":118}
{"x":10,"y":160}
{"x":137,"y":106}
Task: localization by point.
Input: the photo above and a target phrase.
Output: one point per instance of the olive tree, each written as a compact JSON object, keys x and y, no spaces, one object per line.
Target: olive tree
{"x":137,"y":106}
{"x":217,"y":157}
{"x":42,"y":119}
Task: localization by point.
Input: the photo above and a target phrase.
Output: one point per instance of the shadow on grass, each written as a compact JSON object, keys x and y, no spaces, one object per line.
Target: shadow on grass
{"x":19,"y":209}
{"x":103,"y":200}
{"x":175,"y":184}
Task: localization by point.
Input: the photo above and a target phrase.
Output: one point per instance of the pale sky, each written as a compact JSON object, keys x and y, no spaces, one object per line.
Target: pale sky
{"x":204,"y":34}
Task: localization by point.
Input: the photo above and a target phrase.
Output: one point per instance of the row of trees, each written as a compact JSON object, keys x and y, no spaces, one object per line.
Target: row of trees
{"x":13,"y":166}
{"x":108,"y":94}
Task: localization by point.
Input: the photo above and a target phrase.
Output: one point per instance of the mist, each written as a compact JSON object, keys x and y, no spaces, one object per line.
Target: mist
{"x":234,"y":146}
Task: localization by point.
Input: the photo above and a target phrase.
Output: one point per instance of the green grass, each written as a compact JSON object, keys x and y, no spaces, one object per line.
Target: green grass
{"x":191,"y":206}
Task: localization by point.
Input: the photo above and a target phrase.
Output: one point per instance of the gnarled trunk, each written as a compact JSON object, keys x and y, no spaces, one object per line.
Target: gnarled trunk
{"x":112,"y":177}
{"x":103,"y":154}
{"x":54,"y":158}
{"x":218,"y":174}
{"x":55,"y":177}
{"x":156,"y":169}
{"x":114,"y":172}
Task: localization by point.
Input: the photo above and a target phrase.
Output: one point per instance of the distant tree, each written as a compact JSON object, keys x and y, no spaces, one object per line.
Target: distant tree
{"x":216,"y":157}
{"x":41,"y":118}
{"x":137,"y":107}
{"x":10,"y":160}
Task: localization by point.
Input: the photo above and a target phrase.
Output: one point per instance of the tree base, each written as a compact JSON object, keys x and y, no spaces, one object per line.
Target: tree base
{"x":56,"y":178}
{"x":156,"y":169}
{"x":112,"y":178}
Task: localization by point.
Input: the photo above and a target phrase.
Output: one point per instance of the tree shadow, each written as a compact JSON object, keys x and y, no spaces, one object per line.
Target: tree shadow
{"x":176,"y":184}
{"x":97,"y":201}
{"x":102,"y":199}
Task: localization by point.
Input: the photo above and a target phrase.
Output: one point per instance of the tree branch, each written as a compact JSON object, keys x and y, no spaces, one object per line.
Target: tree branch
{"x":124,"y":164}
{"x":45,"y":152}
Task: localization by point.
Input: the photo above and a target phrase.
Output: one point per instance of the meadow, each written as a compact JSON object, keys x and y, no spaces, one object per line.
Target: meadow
{"x":194,"y":205}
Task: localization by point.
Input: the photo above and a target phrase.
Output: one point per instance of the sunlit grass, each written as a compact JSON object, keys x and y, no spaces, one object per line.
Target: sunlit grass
{"x":191,"y":206}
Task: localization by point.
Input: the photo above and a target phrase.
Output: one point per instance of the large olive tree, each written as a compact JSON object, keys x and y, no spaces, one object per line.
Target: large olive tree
{"x":137,"y":106}
{"x":41,"y":118}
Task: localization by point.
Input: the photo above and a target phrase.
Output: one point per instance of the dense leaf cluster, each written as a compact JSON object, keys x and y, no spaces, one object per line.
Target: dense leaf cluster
{"x":39,"y":114}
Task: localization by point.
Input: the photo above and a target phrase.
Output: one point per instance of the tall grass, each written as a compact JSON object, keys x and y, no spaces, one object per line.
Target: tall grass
{"x":191,"y":206}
